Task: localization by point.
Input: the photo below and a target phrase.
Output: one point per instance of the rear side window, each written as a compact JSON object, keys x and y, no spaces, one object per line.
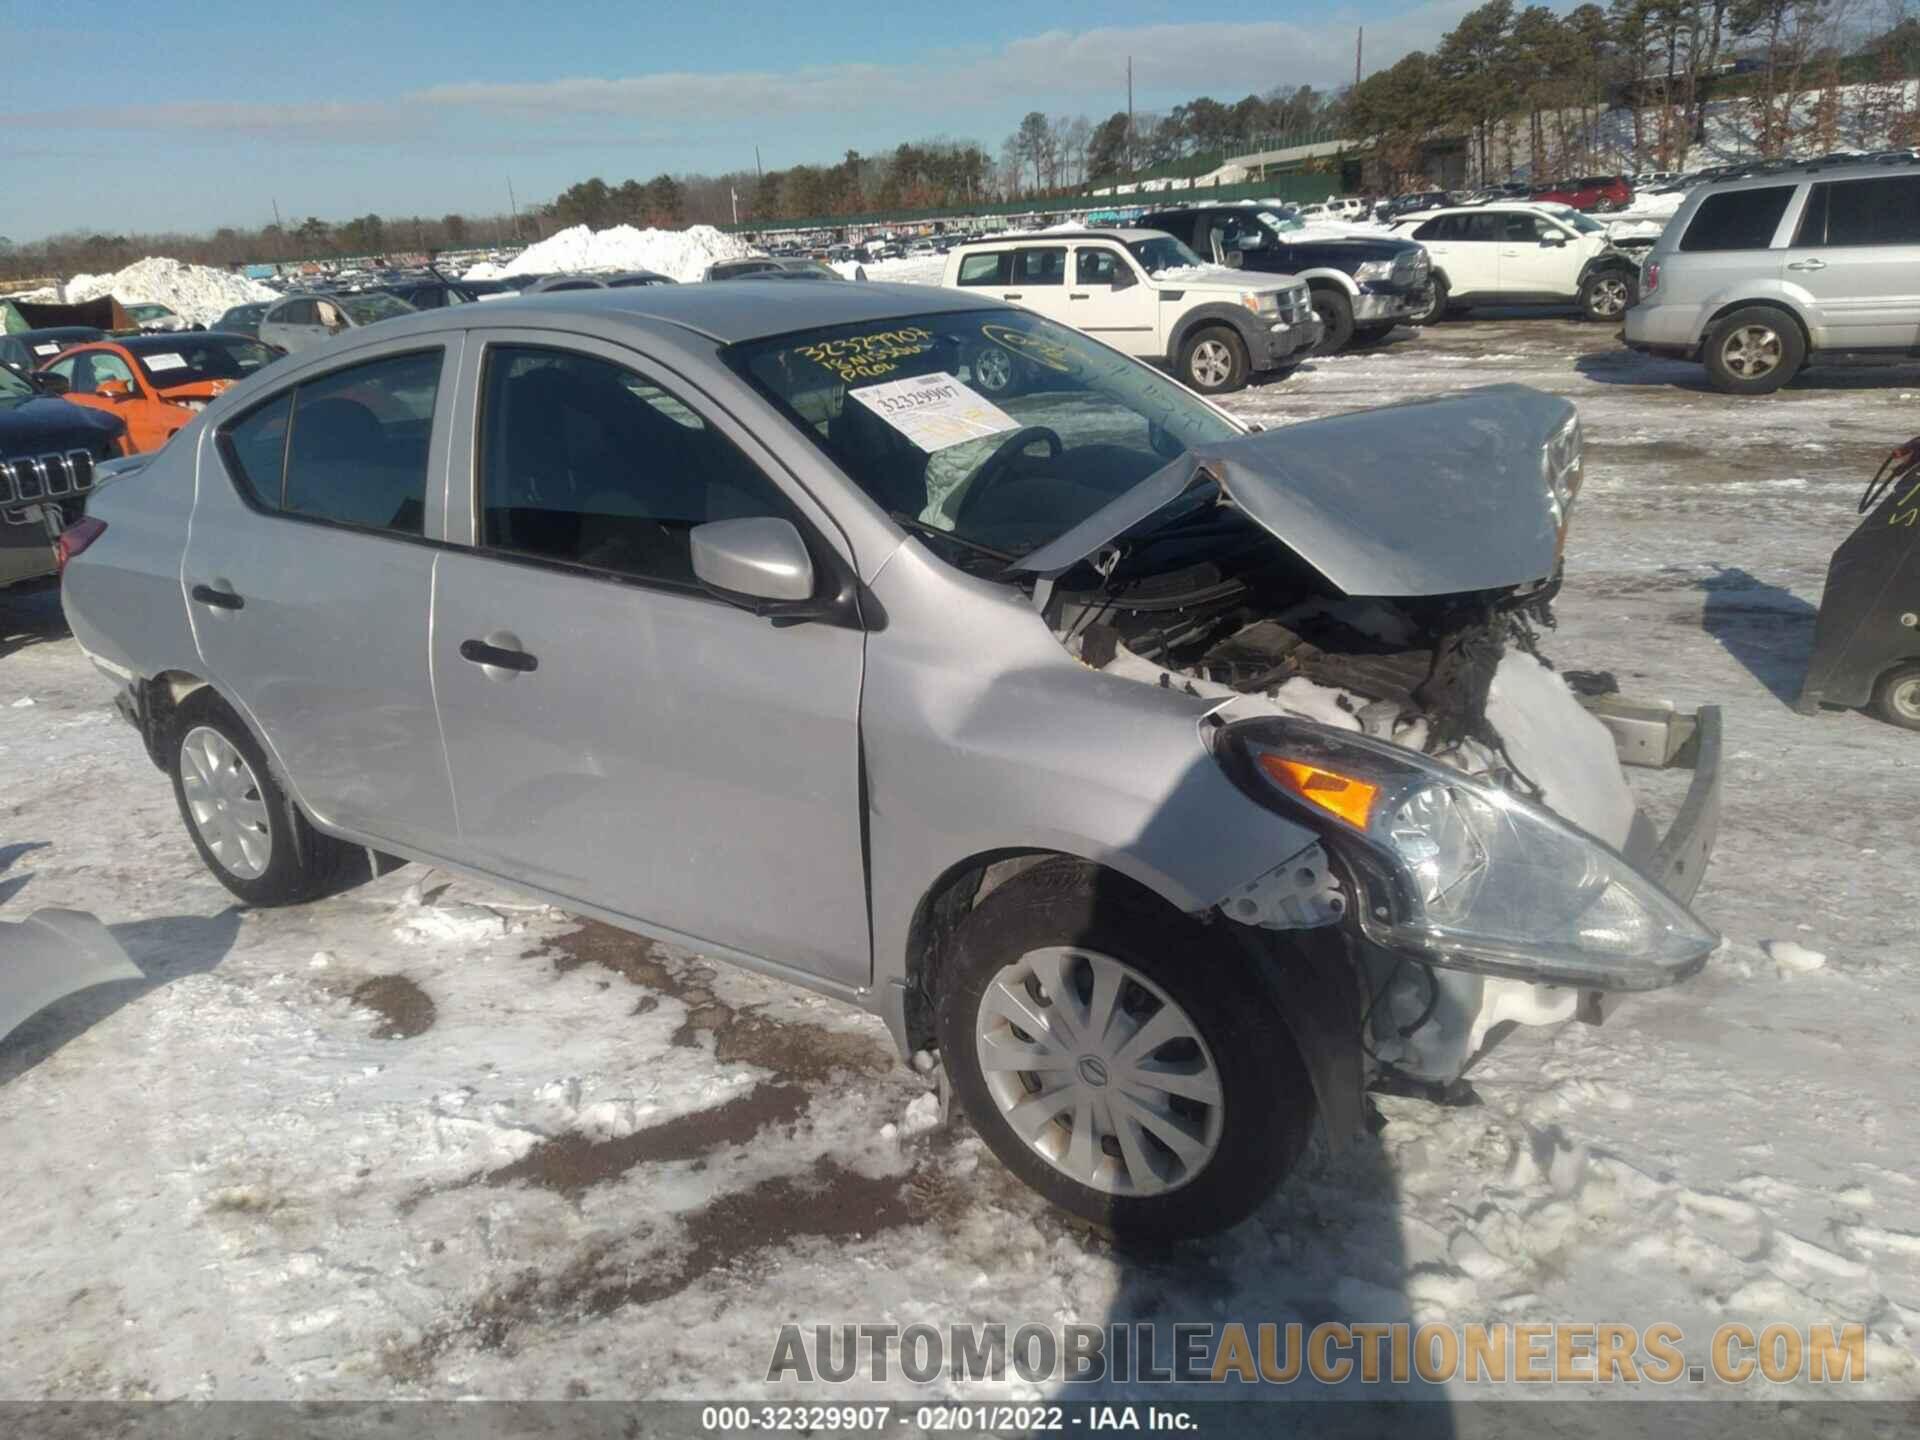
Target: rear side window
{"x":585,"y":462}
{"x":1039,"y":266}
{"x":990,"y":268}
{"x":1738,"y":219}
{"x":1487,"y":228}
{"x":349,"y":447}
{"x":1441,"y":227}
{"x":1863,"y":212}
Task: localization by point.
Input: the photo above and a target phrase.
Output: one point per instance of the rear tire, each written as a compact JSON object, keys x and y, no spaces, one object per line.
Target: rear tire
{"x":1754,"y":351}
{"x":248,"y":832}
{"x":1067,"y":964}
{"x":1214,"y":360}
{"x":1896,"y":696}
{"x":1336,"y":316}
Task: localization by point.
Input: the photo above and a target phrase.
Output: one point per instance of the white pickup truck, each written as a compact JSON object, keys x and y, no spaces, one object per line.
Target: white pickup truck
{"x":1145,"y":293}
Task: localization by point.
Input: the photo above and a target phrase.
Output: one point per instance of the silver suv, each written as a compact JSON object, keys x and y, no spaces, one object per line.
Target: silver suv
{"x":1759,"y":275}
{"x":1121,"y":755}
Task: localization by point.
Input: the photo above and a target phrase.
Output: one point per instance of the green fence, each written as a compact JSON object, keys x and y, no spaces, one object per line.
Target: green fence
{"x":1299,"y":189}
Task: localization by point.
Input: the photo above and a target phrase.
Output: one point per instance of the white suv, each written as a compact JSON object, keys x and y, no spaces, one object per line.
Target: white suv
{"x":1754,"y":276}
{"x":1522,"y":255}
{"x":1145,"y":293}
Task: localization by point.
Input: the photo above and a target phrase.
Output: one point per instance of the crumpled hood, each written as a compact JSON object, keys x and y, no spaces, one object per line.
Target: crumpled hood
{"x":1432,"y":497}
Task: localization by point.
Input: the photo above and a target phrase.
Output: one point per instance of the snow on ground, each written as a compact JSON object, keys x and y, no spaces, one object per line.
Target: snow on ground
{"x":905,"y":270}
{"x":199,"y":294}
{"x":683,"y":254}
{"x":421,"y":1140}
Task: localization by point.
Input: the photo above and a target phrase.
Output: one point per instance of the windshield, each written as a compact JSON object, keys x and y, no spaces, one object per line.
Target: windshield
{"x":1580,"y":222}
{"x":148,"y":312}
{"x":372,"y":305}
{"x":1281,"y":221}
{"x":12,"y":387}
{"x":1162,"y":252}
{"x":927,"y":414}
{"x":195,"y":361}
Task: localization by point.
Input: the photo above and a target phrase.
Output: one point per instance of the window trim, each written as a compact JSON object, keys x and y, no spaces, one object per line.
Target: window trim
{"x":836,"y":579}
{"x":444,"y":346}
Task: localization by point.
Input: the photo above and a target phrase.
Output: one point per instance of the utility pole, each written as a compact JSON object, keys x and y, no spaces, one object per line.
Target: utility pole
{"x":1359,"y":40}
{"x":758,"y":173}
{"x":1129,"y":117}
{"x":513,"y":208}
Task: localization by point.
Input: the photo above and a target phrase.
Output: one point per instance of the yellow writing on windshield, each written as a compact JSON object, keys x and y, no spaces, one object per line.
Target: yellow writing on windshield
{"x":868,"y":357}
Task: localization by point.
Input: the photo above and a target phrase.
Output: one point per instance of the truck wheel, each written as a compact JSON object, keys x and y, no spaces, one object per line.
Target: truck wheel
{"x":1607,"y":295}
{"x":1754,"y":351}
{"x":1365,"y":337}
{"x":1435,"y":307}
{"x":1896,"y":696}
{"x":249,"y":834}
{"x":1213,"y":360}
{"x":1117,"y":1059}
{"x":1336,"y":314}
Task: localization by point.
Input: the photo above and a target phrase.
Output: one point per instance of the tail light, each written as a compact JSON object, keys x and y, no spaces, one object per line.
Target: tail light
{"x":1650,"y":277}
{"x":76,"y":538}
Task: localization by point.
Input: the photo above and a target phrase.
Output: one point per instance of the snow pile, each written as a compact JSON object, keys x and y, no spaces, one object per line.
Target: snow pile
{"x":198,"y":294}
{"x":683,"y":254}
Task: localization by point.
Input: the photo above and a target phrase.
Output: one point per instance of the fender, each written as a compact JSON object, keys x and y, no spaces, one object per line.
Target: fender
{"x":1218,"y":312}
{"x":1329,"y":275}
{"x":1604,"y":261}
{"x":1774,"y":294}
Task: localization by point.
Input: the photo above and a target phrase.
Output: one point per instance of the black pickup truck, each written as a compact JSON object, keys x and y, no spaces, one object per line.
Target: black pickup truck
{"x":48,"y":451}
{"x":1362,"y":286}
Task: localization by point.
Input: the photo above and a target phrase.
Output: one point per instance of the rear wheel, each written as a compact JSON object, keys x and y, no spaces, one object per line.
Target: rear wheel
{"x":1754,"y":351}
{"x":249,"y":834}
{"x":1336,"y":315}
{"x":1119,"y":1059}
{"x":1214,"y":360}
{"x":1896,"y":696}
{"x":1607,"y":294}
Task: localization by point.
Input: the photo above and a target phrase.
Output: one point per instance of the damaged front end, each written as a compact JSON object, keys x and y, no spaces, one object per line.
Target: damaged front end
{"x":1364,"y":596}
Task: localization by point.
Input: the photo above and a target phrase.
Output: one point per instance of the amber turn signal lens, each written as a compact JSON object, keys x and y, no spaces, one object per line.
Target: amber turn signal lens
{"x":1342,"y":795}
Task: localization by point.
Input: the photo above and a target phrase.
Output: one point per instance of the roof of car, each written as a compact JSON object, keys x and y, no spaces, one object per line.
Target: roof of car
{"x":1125,"y":235}
{"x":173,"y":340}
{"x":1839,"y":169}
{"x":745,"y":309}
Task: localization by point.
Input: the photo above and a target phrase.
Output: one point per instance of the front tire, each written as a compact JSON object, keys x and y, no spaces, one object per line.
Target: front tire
{"x":1754,"y":351}
{"x":1119,"y":1059}
{"x":1436,"y":306}
{"x":1214,"y":360}
{"x":1336,"y":316}
{"x":1607,"y":295}
{"x":1896,"y":696}
{"x":249,"y":834}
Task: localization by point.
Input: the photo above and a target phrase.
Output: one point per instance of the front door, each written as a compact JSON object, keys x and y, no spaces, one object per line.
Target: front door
{"x":1123,"y":316}
{"x":309,"y":577}
{"x":1852,"y":256}
{"x":1537,"y":257}
{"x":616,"y":735}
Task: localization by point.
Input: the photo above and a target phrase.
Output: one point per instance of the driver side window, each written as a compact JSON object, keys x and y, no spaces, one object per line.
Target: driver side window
{"x":1095,"y":266}
{"x":107,"y":367}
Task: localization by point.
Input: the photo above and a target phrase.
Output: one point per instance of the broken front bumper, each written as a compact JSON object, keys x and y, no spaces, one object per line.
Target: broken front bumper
{"x":1372,"y":306}
{"x":1658,"y":737}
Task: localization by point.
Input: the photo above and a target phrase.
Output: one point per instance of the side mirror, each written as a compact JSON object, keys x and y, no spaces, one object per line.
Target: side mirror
{"x":1124,"y":278}
{"x":1553,"y":239}
{"x":114,"y":390}
{"x":1234,"y":259}
{"x":51,"y":384}
{"x":760,"y":564}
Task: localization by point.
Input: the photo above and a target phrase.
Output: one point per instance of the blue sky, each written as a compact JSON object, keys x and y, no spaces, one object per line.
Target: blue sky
{"x":176,"y":115}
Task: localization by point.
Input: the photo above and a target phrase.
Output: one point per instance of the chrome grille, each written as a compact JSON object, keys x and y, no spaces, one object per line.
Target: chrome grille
{"x":45,"y":477}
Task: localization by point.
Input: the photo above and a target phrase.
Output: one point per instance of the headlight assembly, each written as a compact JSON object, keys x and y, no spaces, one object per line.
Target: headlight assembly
{"x":1374,"y":270}
{"x":1261,"y":302}
{"x":1562,"y":460}
{"x":1464,"y":873}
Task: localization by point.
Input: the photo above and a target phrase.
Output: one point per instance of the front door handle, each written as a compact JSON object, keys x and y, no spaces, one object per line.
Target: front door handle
{"x":500,"y":657}
{"x":1015,"y":295}
{"x":219,"y":599}
{"x":1079,"y":297}
{"x":1806,"y":264}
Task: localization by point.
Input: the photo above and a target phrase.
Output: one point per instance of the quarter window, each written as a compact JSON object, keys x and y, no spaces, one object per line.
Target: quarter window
{"x":989,"y":268}
{"x":585,"y":462}
{"x":349,"y":447}
{"x":1738,"y":219}
{"x":1863,"y":212}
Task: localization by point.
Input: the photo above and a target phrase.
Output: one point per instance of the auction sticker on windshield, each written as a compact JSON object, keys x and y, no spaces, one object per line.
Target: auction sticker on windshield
{"x":934,"y":411}
{"x":167,"y":361}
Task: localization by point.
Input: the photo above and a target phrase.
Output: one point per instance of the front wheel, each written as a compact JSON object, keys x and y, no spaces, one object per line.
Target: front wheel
{"x":1607,"y":295}
{"x":1336,"y":318}
{"x":1754,"y":351}
{"x":1119,"y":1059}
{"x":1435,"y":306}
{"x":1896,"y":696}
{"x":1214,"y":360}
{"x":249,"y":834}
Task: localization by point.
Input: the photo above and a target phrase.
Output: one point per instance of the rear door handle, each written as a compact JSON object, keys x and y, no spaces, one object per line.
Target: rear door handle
{"x":1079,"y":297}
{"x":1806,"y":264}
{"x":1014,"y":296}
{"x":498,"y":656}
{"x":219,"y":599}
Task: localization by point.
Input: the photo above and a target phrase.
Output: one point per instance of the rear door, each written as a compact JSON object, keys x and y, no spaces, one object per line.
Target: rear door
{"x":1039,"y":281}
{"x":309,"y":577}
{"x":616,"y":735}
{"x":1856,"y":255}
{"x":293,"y":325}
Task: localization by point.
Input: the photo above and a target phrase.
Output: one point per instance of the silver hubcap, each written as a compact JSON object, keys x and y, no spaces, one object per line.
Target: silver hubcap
{"x":1905,"y":698}
{"x":993,"y":370}
{"x":1751,"y":351}
{"x":1212,"y":362}
{"x":224,"y":799}
{"x":1099,"y":1071}
{"x":1609,"y":297}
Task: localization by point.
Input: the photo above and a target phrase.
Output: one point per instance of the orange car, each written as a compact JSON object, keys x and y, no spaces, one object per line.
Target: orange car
{"x":155,"y":382}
